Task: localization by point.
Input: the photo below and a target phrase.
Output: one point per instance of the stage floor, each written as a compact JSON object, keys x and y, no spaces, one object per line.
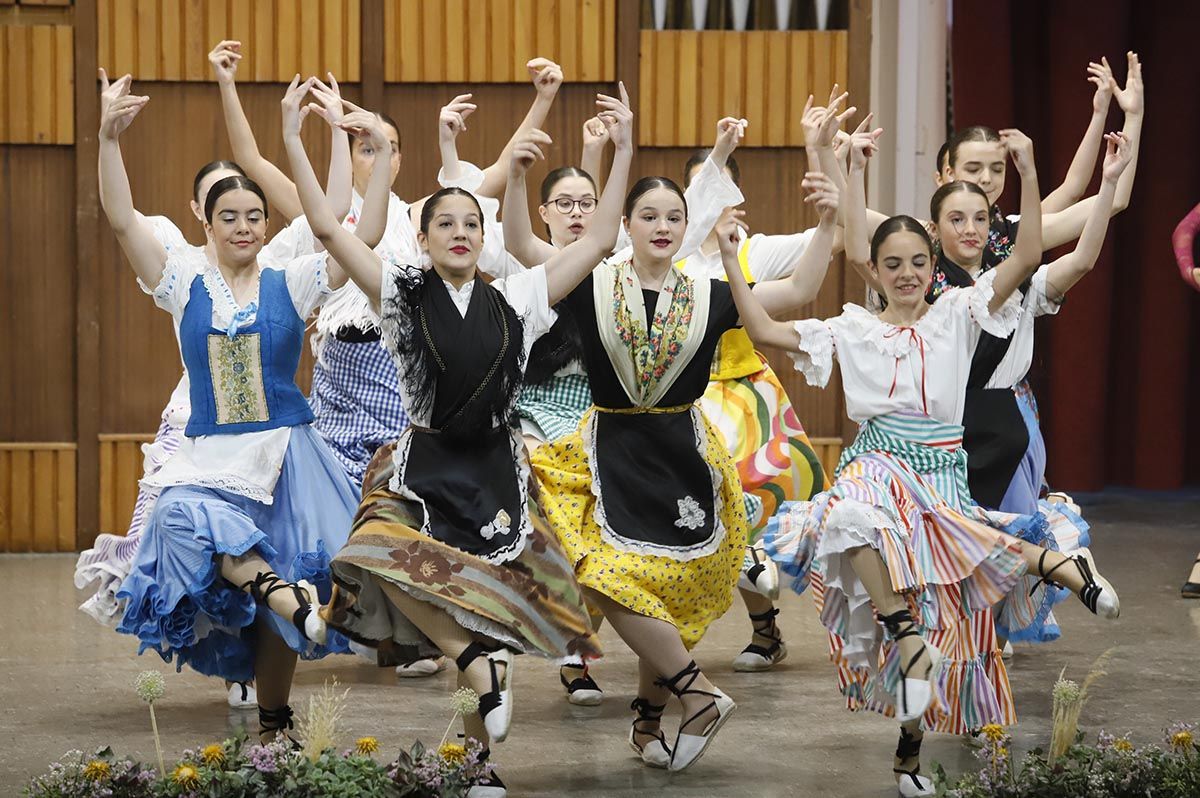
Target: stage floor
{"x":66,"y":683}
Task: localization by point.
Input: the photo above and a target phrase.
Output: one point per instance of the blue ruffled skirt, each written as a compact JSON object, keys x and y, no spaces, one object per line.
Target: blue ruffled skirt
{"x":177,"y":603}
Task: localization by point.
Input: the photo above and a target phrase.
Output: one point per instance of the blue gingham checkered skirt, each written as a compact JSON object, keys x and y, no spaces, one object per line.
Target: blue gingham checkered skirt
{"x":356,"y":399}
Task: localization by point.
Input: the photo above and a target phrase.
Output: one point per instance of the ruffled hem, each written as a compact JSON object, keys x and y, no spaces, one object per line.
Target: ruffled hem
{"x":815,"y":358}
{"x":232,"y":483}
{"x":179,"y":606}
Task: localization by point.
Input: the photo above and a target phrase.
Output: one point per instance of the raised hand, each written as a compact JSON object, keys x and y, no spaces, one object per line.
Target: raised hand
{"x":730,"y":132}
{"x":110,"y":92}
{"x":224,"y":59}
{"x":291,"y":103}
{"x":728,"y":229}
{"x":366,"y":125}
{"x":1020,"y":148}
{"x":1100,"y":75}
{"x":831,"y":119}
{"x":330,"y":97}
{"x":863,"y":143}
{"x":595,"y":134}
{"x":119,"y":112}
{"x":529,"y":148}
{"x":453,"y":117}
{"x":823,"y":192}
{"x":546,"y":75}
{"x":617,"y":117}
{"x":1132,"y":97}
{"x":1117,"y":155}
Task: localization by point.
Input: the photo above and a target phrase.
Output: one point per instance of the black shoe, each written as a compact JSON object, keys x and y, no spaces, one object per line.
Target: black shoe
{"x":496,"y":705}
{"x":755,"y":658}
{"x":912,"y":784}
{"x":305,"y":618}
{"x":1191,"y":589}
{"x":582,"y":691}
{"x":275,"y":723}
{"x":491,"y":787}
{"x":656,"y":753}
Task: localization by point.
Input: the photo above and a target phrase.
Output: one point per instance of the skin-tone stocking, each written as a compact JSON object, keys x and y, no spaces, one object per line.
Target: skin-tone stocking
{"x":660,"y":651}
{"x":757,"y":604}
{"x":246,"y":568}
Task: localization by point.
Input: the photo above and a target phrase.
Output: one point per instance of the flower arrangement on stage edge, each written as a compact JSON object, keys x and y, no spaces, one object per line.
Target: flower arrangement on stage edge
{"x":1112,"y":768}
{"x":238,"y":768}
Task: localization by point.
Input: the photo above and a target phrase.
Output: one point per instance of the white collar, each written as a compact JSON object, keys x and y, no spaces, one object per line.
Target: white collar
{"x":460,"y":296}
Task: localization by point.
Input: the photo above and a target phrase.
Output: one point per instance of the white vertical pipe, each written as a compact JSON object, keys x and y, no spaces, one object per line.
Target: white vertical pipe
{"x":741,"y":11}
{"x":699,"y":14}
{"x":823,"y":13}
{"x":783,"y":13}
{"x":660,"y":14}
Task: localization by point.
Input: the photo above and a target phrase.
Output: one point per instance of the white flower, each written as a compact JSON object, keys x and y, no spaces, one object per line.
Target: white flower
{"x":498,"y":526}
{"x":150,"y":686}
{"x":690,"y":514}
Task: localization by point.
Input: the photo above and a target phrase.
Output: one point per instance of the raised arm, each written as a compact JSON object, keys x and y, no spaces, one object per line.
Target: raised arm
{"x":801,"y":287}
{"x":1067,"y":225}
{"x":1079,"y":174}
{"x":858,"y":229}
{"x":280,"y":191}
{"x":595,"y":136}
{"x":373,"y":217}
{"x":340,"y":182}
{"x":141,"y":248}
{"x":711,"y":191}
{"x":349,"y":255}
{"x":1182,"y":241}
{"x":519,"y":238}
{"x":568,"y":266}
{"x":547,"y":77}
{"x":452,"y":120}
{"x":1063,"y":273}
{"x":1027,"y":253}
{"x":762,"y":329}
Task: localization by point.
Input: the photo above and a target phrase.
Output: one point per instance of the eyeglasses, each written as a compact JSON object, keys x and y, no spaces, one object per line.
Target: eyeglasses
{"x":567,"y":205}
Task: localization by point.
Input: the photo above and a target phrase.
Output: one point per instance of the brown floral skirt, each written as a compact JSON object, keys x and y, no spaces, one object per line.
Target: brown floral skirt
{"x":531,"y":603}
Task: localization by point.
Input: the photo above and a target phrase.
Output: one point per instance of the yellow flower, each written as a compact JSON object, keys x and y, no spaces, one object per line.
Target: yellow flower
{"x":1123,"y":745}
{"x":366,"y":745}
{"x":1181,"y":740}
{"x":453,"y":753}
{"x":186,"y":776}
{"x":1001,"y":753}
{"x":212,"y":755}
{"x":993,"y":732}
{"x":96,"y":770}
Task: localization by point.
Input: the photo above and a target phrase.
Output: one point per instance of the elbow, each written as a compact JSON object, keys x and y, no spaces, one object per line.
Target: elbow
{"x":1119,"y":204}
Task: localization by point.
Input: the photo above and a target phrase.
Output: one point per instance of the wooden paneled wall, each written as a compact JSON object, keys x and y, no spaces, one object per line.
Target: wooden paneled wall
{"x":170,"y":39}
{"x":37,"y":497}
{"x":37,"y":84}
{"x":120,"y":470}
{"x":489,"y":41}
{"x":690,"y":79}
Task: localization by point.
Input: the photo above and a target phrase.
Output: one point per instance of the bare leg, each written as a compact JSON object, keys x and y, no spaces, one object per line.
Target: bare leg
{"x":246,"y":568}
{"x":871,"y":570}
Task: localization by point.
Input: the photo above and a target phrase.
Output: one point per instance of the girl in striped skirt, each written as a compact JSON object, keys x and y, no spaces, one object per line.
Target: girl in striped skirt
{"x":904,"y":566}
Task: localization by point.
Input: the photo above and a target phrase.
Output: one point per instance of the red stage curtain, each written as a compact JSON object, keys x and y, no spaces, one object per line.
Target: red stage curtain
{"x":1115,"y":370}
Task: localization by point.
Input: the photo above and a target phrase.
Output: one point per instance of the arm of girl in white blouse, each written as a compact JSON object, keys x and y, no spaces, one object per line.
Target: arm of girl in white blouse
{"x":1026,"y":254}
{"x":757,"y":322}
{"x":1064,"y":272}
{"x":1067,"y":225}
{"x":779,"y":296}
{"x":519,"y":237}
{"x":1079,"y":174}
{"x":346,"y":259}
{"x":280,"y":191}
{"x":1182,"y":241}
{"x":568,"y":266}
{"x":858,"y":229}
{"x":141,"y":248}
{"x":547,"y":77}
{"x":452,"y":120}
{"x":595,"y":136}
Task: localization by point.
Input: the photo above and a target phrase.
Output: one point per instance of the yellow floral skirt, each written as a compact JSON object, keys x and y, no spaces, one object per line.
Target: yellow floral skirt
{"x":688,"y":593}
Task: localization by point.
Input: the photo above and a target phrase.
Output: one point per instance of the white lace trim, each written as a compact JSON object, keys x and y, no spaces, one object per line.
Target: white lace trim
{"x":233,"y":483}
{"x":815,"y":358}
{"x":224,"y":306}
{"x":615,"y":539}
{"x":525,"y":525}
{"x":691,"y":516}
{"x":1039,"y":302}
{"x":1004,"y":321}
{"x":348,"y":306}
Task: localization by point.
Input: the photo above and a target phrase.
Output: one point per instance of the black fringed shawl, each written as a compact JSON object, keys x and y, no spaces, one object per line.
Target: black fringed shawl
{"x":559,"y":347}
{"x":462,"y":373}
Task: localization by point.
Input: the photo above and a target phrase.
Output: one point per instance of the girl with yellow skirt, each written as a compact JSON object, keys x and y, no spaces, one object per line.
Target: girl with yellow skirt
{"x":644,"y":496}
{"x":444,"y":549}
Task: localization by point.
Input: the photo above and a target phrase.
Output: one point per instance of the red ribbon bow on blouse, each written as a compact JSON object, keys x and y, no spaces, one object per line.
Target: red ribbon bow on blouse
{"x":920,"y":342}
